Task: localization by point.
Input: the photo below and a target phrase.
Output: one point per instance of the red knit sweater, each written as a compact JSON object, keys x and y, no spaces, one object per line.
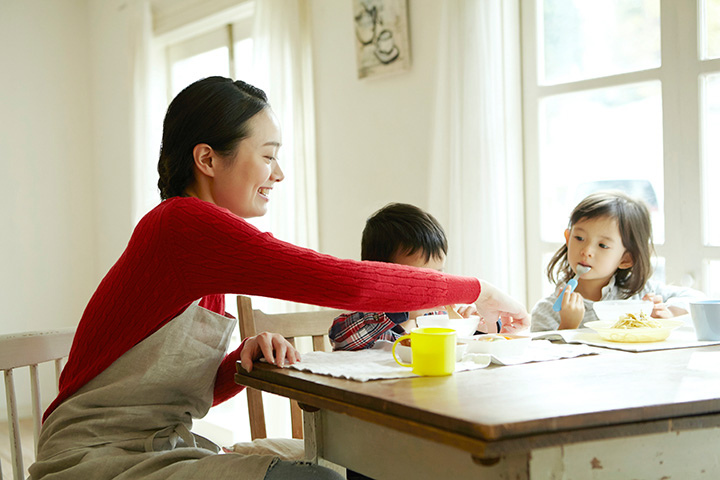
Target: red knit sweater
{"x":185,"y":249}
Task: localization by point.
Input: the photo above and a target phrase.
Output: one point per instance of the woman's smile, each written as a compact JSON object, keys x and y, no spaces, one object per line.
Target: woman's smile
{"x":264,"y":192}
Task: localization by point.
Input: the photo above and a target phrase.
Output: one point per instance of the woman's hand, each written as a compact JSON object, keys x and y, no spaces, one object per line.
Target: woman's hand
{"x":572,"y":310}
{"x":272,"y":347}
{"x":483,"y":326}
{"x":660,"y":310}
{"x":493,"y":303}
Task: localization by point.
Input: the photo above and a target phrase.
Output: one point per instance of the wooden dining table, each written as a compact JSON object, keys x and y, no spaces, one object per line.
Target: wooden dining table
{"x":612,"y":415}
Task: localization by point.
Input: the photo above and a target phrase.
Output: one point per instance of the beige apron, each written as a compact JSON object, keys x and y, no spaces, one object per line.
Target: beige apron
{"x":133,"y":420}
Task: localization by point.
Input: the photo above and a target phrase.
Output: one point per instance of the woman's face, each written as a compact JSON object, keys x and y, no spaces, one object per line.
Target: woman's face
{"x":244,"y":183}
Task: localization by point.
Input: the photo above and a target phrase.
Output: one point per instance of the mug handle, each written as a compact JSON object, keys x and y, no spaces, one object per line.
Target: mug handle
{"x":395,"y":356}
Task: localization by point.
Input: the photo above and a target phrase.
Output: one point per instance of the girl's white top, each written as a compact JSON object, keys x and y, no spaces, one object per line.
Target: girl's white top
{"x":545,"y":318}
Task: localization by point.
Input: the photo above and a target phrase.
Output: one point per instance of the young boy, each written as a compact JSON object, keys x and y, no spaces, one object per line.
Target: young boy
{"x":404,"y":234}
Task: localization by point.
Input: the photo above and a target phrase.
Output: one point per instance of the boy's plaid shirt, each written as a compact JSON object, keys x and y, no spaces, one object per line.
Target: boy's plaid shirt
{"x":360,"y":330}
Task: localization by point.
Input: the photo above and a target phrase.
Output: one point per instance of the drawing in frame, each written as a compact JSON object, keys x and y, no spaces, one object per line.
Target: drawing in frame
{"x":382,"y":39}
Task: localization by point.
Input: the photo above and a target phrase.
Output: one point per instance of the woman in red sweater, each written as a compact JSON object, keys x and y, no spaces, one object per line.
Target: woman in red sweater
{"x":149,"y":354}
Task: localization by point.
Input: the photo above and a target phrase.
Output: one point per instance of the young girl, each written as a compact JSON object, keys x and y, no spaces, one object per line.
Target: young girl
{"x":610,"y":233}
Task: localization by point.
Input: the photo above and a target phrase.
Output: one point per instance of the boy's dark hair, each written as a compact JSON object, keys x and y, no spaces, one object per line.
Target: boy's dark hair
{"x":214,"y":110}
{"x":405,"y":229}
{"x":633,"y":218}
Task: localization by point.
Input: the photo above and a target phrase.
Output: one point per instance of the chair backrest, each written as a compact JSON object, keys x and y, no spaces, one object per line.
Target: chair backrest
{"x":313,"y":324}
{"x":29,"y":350}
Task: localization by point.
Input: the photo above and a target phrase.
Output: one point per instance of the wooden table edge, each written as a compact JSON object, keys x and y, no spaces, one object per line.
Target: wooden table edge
{"x":484,"y":450}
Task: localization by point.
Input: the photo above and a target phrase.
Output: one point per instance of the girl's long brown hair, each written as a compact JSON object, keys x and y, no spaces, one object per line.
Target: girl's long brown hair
{"x":633,"y":218}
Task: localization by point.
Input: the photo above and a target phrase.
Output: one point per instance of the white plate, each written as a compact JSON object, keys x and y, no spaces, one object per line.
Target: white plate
{"x":464,"y":327}
{"x":634,"y":335}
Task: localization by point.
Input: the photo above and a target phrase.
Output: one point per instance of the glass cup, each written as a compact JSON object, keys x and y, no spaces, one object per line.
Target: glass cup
{"x":706,"y":318}
{"x":433,"y":351}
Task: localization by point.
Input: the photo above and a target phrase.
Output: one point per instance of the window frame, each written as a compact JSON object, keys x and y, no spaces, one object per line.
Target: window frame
{"x":680,"y":74}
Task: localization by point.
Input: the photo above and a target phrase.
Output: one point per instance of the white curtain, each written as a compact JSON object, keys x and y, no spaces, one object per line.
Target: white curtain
{"x":146,"y":104}
{"x":282,"y":66}
{"x":477,"y":181}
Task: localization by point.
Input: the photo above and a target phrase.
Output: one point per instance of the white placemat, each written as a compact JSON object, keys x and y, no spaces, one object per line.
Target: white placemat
{"x":543,"y":351}
{"x":683,"y":337}
{"x":377,"y":363}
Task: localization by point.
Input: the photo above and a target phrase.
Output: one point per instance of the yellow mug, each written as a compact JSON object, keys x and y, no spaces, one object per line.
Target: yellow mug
{"x":433,"y":351}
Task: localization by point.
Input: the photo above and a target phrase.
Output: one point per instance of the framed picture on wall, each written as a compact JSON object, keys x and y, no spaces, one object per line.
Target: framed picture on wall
{"x":382,"y":39}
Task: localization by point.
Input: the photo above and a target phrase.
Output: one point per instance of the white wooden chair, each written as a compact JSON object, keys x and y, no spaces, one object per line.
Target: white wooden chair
{"x":29,"y":350}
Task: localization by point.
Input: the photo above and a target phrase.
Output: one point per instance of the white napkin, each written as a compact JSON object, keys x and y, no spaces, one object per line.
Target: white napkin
{"x":541,"y":351}
{"x":372,"y":364}
{"x":377,"y":363}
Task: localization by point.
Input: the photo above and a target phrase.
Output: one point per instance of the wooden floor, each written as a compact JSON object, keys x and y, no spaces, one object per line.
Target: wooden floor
{"x":27,"y":448}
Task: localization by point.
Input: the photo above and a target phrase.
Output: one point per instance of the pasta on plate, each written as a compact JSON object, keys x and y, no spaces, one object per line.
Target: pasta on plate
{"x":631,"y":320}
{"x":635,"y":330}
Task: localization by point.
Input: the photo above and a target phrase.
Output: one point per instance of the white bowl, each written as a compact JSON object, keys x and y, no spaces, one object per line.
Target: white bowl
{"x":498,"y":344}
{"x":464,"y":327}
{"x":404,"y":353}
{"x":634,"y":335}
{"x":612,"y":310}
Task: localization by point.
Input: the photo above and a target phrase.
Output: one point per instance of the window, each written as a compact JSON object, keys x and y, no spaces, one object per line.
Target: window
{"x":225,"y":51}
{"x":624,"y":94}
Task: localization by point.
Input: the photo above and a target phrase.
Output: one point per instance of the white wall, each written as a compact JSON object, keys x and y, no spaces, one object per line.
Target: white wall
{"x":65,"y":139}
{"x":373,"y":135}
{"x":111,"y":69}
{"x":47,"y":214}
{"x":66,"y":209}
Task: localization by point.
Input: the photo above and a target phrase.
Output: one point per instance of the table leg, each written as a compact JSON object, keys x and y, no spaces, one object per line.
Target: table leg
{"x":310,"y":435}
{"x":313,"y":437}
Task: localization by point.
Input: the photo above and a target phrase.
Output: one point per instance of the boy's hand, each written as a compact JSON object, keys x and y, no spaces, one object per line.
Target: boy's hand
{"x":409,"y":325}
{"x":466,"y":311}
{"x":272,"y":347}
{"x":419,"y":313}
{"x":572,"y":310}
